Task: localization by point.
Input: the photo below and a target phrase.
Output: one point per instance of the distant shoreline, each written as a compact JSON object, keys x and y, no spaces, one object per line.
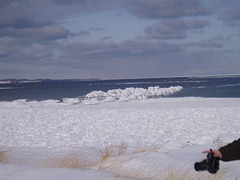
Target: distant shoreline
{"x":9,"y":81}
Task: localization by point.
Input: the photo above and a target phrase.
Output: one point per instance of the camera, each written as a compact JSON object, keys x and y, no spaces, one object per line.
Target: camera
{"x":211,"y":164}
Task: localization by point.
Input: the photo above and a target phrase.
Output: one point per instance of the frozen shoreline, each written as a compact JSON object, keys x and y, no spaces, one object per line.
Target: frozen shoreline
{"x":193,"y":121}
{"x":178,"y":125}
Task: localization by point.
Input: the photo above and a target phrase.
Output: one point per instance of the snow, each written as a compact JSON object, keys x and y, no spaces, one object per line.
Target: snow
{"x":5,"y":82}
{"x":159,"y":134}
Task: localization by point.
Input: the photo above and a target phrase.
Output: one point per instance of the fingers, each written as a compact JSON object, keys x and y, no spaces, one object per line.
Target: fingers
{"x":216,"y":153}
{"x":207,"y":151}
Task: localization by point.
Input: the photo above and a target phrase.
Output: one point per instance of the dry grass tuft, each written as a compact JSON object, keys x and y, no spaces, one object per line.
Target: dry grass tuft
{"x":141,"y":150}
{"x":112,"y":151}
{"x":70,"y":160}
{"x":3,"y":157}
{"x":173,"y":174}
{"x":113,"y":157}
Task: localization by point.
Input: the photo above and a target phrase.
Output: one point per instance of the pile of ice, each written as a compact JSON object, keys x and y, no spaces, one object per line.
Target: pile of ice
{"x":129,"y":94}
{"x":96,"y":97}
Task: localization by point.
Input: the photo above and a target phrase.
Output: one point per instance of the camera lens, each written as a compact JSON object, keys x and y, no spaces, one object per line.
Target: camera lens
{"x":199,"y":166}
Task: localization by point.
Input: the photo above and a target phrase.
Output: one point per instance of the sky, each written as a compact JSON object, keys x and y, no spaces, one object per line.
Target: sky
{"x":114,"y":39}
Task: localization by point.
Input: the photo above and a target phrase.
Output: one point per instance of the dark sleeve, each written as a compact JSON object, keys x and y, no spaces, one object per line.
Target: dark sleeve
{"x":231,"y":151}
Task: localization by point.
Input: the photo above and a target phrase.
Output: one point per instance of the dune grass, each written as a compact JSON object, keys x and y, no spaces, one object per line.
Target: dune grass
{"x":114,"y":159}
{"x":112,"y":150}
{"x":145,"y":150}
{"x":3,"y":157}
{"x":69,"y":160}
{"x":121,"y":162}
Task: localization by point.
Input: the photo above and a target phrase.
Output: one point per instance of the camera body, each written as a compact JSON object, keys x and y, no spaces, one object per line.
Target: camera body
{"x":211,"y":164}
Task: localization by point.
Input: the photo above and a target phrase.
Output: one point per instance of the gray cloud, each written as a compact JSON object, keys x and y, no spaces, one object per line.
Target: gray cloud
{"x":232,"y":15}
{"x":89,"y":32}
{"x":32,"y":36}
{"x":173,"y":29}
{"x":17,"y":14}
{"x":83,"y":6}
{"x":167,"y":8}
{"x":131,"y":58}
{"x":18,"y":21}
{"x":106,"y":38}
{"x":111,"y":50}
{"x":83,"y":3}
{"x":215,"y":42}
{"x":45,"y":33}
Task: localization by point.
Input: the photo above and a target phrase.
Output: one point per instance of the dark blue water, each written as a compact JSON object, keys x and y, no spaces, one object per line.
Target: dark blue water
{"x":218,"y":86}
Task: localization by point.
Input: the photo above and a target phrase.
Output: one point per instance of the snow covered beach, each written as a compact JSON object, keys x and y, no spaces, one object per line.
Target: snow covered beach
{"x":172,"y":132}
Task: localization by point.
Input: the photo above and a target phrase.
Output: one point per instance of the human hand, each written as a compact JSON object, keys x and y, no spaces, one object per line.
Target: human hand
{"x":217,"y":153}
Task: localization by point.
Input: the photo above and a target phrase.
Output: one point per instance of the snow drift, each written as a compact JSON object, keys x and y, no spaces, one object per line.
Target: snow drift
{"x":160,"y":133}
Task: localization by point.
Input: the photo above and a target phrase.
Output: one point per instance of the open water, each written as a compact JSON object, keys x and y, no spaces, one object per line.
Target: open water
{"x":205,"y":86}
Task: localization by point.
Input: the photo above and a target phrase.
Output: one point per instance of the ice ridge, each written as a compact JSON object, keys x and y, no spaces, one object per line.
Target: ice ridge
{"x":129,"y":94}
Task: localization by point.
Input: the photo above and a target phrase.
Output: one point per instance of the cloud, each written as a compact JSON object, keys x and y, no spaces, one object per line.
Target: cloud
{"x":106,"y":38}
{"x":105,"y":59}
{"x":83,"y":3}
{"x":19,"y":22}
{"x":167,"y":8}
{"x":34,"y":35}
{"x":109,"y":59}
{"x":4,"y":51}
{"x":17,"y":14}
{"x":232,"y":15}
{"x":173,"y":28}
{"x":215,"y":42}
{"x":83,"y":6}
{"x":88,"y":32}
{"x":39,"y":34}
{"x":111,"y":50}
